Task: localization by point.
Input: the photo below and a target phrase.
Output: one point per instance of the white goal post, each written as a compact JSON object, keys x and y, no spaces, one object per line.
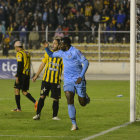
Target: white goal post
{"x":132,"y":60}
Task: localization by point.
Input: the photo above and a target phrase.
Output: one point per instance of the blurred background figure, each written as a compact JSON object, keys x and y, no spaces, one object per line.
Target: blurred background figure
{"x":33,"y":39}
{"x":5,"y":44}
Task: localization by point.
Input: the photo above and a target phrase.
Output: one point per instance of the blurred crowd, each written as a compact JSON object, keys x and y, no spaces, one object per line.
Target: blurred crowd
{"x":28,"y":19}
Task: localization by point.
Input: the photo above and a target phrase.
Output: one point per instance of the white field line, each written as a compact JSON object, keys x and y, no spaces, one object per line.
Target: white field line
{"x":29,"y":136}
{"x":106,"y":131}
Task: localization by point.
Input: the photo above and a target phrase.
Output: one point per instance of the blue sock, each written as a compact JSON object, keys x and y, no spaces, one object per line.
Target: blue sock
{"x":72,"y":113}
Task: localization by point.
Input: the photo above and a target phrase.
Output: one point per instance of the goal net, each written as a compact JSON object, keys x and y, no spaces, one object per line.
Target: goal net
{"x":138,"y":60}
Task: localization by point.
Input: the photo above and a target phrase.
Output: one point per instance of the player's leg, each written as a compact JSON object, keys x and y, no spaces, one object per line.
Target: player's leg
{"x":56,"y":95}
{"x":82,"y":95}
{"x":39,"y":107}
{"x":69,"y":92}
{"x":45,"y":88}
{"x":25,"y":88}
{"x":17,"y":97}
{"x":55,"y":107}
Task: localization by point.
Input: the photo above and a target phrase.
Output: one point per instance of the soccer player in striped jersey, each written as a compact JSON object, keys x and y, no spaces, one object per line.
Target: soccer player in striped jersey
{"x":74,"y":75}
{"x":22,"y":76}
{"x":51,"y":80}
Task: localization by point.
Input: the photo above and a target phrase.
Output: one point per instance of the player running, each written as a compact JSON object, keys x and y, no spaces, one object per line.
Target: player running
{"x":74,"y":76}
{"x":51,"y":80}
{"x":22,"y":76}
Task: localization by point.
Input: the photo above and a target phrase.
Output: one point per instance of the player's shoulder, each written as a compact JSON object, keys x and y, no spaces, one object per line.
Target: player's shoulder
{"x":75,"y":50}
{"x":19,"y":53}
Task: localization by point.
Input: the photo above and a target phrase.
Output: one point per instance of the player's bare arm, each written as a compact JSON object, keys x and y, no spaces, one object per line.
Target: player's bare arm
{"x":38,"y":72}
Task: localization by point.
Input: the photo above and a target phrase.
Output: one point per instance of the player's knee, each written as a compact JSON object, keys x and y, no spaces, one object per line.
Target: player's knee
{"x":17,"y":92}
{"x":82,"y":101}
{"x":55,"y":100}
{"x":42,"y":97}
{"x":70,"y":97}
{"x":24,"y":93}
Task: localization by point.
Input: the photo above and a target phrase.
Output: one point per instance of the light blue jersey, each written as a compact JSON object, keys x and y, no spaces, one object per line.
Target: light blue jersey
{"x":72,"y":60}
{"x":73,"y":69}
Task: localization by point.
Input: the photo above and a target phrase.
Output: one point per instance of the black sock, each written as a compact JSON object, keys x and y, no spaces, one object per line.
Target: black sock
{"x":29,"y":96}
{"x":17,"y":98}
{"x":40,"y":105}
{"x":55,"y":107}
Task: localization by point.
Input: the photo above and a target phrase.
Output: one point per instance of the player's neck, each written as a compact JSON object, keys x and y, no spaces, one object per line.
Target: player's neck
{"x":20,"y":49}
{"x":67,"y":48}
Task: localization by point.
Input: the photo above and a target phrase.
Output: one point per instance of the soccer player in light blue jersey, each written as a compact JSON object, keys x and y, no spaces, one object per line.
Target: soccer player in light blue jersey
{"x":74,"y":75}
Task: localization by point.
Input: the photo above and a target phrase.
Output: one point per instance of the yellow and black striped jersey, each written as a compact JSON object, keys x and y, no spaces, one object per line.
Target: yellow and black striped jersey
{"x":23,"y":57}
{"x":53,"y":70}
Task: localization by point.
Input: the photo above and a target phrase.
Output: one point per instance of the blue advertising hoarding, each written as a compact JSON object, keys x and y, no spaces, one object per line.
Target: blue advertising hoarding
{"x":8,"y":68}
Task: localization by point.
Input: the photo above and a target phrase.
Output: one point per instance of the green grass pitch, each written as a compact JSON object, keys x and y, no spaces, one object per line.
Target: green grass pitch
{"x":105,"y":111}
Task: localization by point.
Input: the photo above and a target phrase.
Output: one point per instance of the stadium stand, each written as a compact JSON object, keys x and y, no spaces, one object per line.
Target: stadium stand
{"x":79,"y":19}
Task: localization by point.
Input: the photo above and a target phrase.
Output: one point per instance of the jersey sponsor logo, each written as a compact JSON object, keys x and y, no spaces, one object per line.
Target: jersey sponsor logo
{"x":53,"y":69}
{"x":54,"y":64}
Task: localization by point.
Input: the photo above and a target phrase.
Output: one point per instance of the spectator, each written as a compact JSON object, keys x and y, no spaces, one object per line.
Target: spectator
{"x":119,"y":35}
{"x":88,"y":10}
{"x":110,"y":35}
{"x":60,"y":17}
{"x":127,"y":28}
{"x":93,"y":37}
{"x":50,"y":32}
{"x":79,"y":19}
{"x":42,"y":32}
{"x":120,"y":17}
{"x":2,"y":31}
{"x":34,"y":39}
{"x":23,"y":34}
{"x":58,"y":32}
{"x":87,"y":22}
{"x":98,"y":5}
{"x":2,"y":17}
{"x":15,"y":30}
{"x":5,"y":44}
{"x":75,"y":35}
{"x":96,"y":19}
{"x":45,"y":16}
{"x":56,"y":12}
{"x":65,"y":30}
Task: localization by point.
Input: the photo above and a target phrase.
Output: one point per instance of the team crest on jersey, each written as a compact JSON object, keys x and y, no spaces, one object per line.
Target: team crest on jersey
{"x":18,"y":58}
{"x":70,"y":55}
{"x":58,"y":86}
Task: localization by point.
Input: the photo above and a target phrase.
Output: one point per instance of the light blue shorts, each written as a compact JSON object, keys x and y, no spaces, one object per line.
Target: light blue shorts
{"x":79,"y":88}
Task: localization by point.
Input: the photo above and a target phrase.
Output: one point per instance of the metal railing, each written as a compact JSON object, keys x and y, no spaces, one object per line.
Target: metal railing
{"x":97,"y":46}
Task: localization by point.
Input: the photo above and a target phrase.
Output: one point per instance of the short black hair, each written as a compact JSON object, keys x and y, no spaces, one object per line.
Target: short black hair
{"x":66,"y":40}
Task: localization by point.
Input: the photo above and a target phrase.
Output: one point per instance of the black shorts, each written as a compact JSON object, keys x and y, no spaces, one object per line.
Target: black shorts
{"x":24,"y":82}
{"x":55,"y":90}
